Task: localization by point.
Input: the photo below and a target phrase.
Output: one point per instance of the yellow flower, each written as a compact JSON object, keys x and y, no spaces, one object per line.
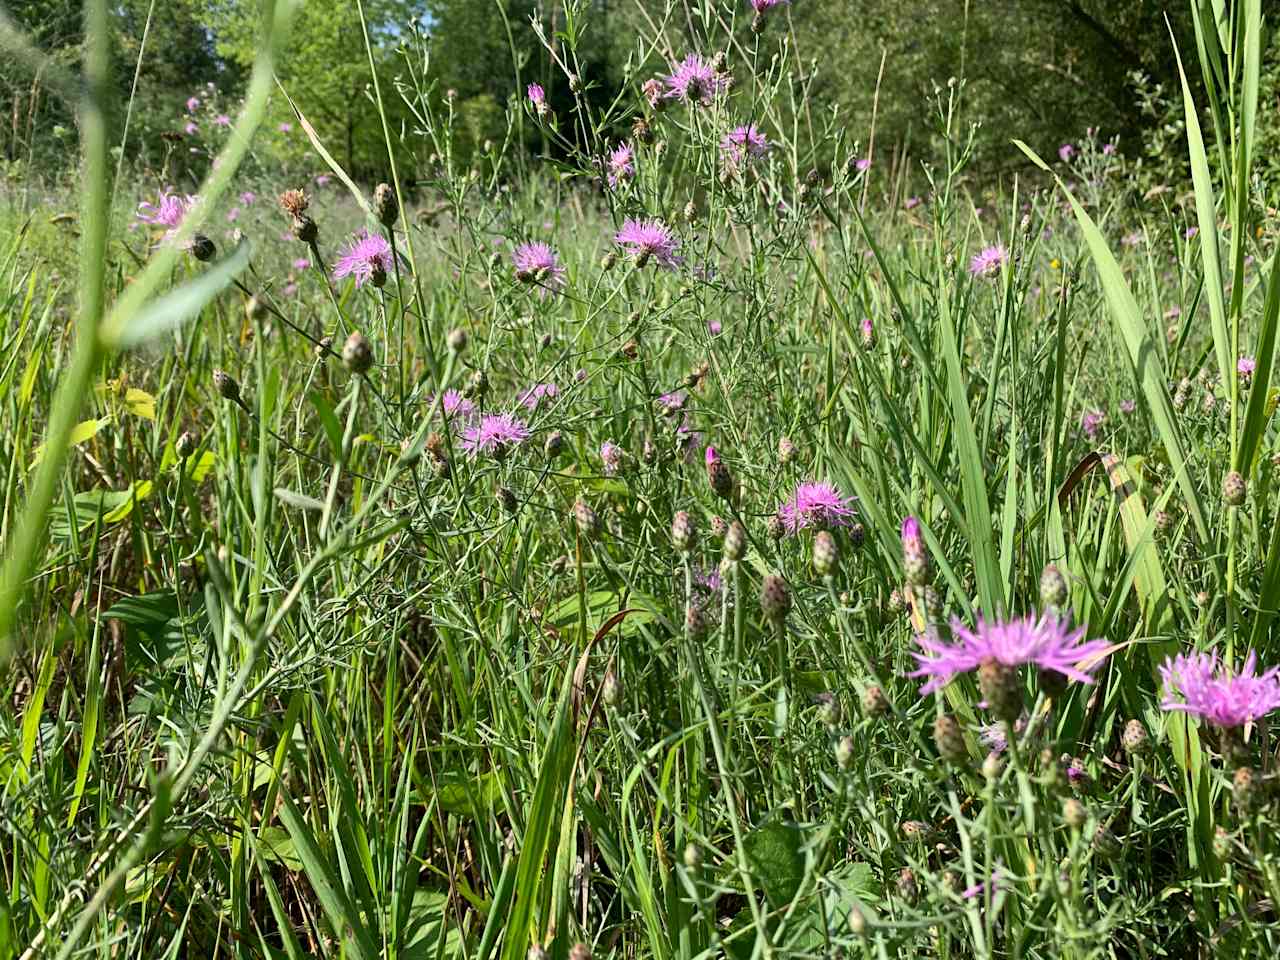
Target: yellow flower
{"x":1055,"y":263}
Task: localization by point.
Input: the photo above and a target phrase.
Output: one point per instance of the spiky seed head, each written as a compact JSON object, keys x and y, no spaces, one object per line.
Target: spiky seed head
{"x":992,"y":766}
{"x":305,"y":229}
{"x":357,"y":355}
{"x":202,"y":248}
{"x":949,"y":739}
{"x":1001,"y":688}
{"x":775,"y":598}
{"x":553,"y":445}
{"x":1233,"y":489}
{"x":185,"y":445}
{"x":684,"y":534}
{"x":1053,"y":588}
{"x":226,"y":386}
{"x":844,"y":752}
{"x":775,"y":527}
{"x":1134,"y":739}
{"x":786,"y":450}
{"x":826,"y":554}
{"x":457,"y":340}
{"x":735,"y":542}
{"x":586,"y":519}
{"x":908,"y":886}
{"x":1074,"y":814}
{"x":1246,"y":790}
{"x":874,"y":702}
{"x":692,"y":856}
{"x":695,"y":622}
{"x":385,"y":206}
{"x":294,"y":202}
{"x":610,"y":689}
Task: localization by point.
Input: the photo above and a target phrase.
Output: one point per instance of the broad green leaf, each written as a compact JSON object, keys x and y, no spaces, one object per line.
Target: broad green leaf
{"x":775,"y":851}
{"x":140,"y":403}
{"x":137,"y":491}
{"x":82,"y":431}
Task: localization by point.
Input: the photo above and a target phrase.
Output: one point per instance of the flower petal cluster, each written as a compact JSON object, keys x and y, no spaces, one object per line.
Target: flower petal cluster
{"x":1202,"y":685}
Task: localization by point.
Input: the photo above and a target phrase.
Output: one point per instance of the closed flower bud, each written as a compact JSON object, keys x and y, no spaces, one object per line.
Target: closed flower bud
{"x":610,"y":689}
{"x":775,"y":528}
{"x":553,"y":445}
{"x":478,"y":385}
{"x":1134,"y":739}
{"x":1053,"y":588}
{"x":1233,"y":489}
{"x":826,"y":554}
{"x":908,"y":888}
{"x":586,"y":519}
{"x":916,"y":831}
{"x":828,"y":710}
{"x":226,"y":386}
{"x":775,"y":598}
{"x":857,"y":922}
{"x":857,"y":534}
{"x":536,"y":952}
{"x":385,"y":206}
{"x":1246,"y":790}
{"x":1221,"y":843}
{"x":786,"y":450}
{"x":718,"y":475}
{"x":457,"y":340}
{"x":357,"y":355}
{"x":1001,"y":688}
{"x":695,"y":623}
{"x":202,"y":248}
{"x":305,"y":229}
{"x":1163,"y":521}
{"x":844,"y":752}
{"x":692,"y":856}
{"x":874,"y":702}
{"x":684,"y":535}
{"x":609,"y":261}
{"x":1105,"y":844}
{"x":718,"y":527}
{"x":506,"y":499}
{"x":322,"y":348}
{"x":895,"y":601}
{"x":1074,"y":813}
{"x":993,"y":766}
{"x":915,"y":558}
{"x":949,"y":739}
{"x":735,"y":542}
{"x":185,"y":445}
{"x":255,"y":308}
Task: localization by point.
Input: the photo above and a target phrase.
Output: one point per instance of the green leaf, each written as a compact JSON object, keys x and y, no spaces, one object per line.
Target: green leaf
{"x":82,"y":431}
{"x":775,"y":852}
{"x":140,"y":403}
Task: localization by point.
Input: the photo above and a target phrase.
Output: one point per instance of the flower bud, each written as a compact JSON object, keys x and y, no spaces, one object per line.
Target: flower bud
{"x":829,"y":710}
{"x":692,"y":856}
{"x":826,"y":554}
{"x":322,"y":348}
{"x":305,"y":229}
{"x":844,"y":752}
{"x":1134,"y":739}
{"x":718,"y":475}
{"x":775,"y":598}
{"x":908,"y":887}
{"x":874,"y":702}
{"x":536,"y":952}
{"x":1233,"y":489}
{"x":586,"y":519}
{"x":202,"y":248}
{"x":579,"y":951}
{"x":226,"y":386}
{"x":915,"y":558}
{"x":1221,"y":843}
{"x":1105,"y":844}
{"x":993,"y":766}
{"x":478,"y":385}
{"x":949,"y":739}
{"x":1053,"y":588}
{"x":786,"y":450}
{"x":457,"y":340}
{"x":385,"y":206}
{"x":1001,"y":688}
{"x":357,"y":355}
{"x":506,"y":499}
{"x":1246,"y":790}
{"x":185,"y":445}
{"x":553,"y":445}
{"x":1074,"y":814}
{"x":610,"y":689}
{"x":775,"y":528}
{"x":695,"y":622}
{"x":684,"y":534}
{"x":857,"y":922}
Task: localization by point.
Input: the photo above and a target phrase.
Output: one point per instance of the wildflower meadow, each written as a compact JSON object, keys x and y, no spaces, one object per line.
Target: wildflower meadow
{"x":679,"y":517}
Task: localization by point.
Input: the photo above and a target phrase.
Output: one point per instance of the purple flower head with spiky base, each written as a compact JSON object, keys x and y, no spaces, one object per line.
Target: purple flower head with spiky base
{"x":611,"y":457}
{"x":368,"y":253}
{"x":764,"y":6}
{"x":1046,"y":642}
{"x":1245,"y":366}
{"x":694,"y":80}
{"x":649,"y":239}
{"x":815,"y":505}
{"x":537,"y":96}
{"x":745,"y":141}
{"x":537,"y":393}
{"x":538,"y":263}
{"x":167,"y":211}
{"x":495,"y":433}
{"x":1090,"y":422}
{"x":672,"y":402}
{"x":1066,"y":152}
{"x":457,"y":407}
{"x":1200,"y":684}
{"x":988,"y":261}
{"x":621,"y":164}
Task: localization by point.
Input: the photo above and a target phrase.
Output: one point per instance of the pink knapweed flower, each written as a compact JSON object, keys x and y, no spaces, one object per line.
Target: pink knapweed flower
{"x":1108,"y":149}
{"x":1046,"y":642}
{"x":694,"y":80}
{"x":302,"y":263}
{"x":1191,"y":232}
{"x":863,"y":164}
{"x":193,"y":103}
{"x":248,"y":197}
{"x":368,"y":253}
{"x":537,"y":393}
{"x":222,"y":120}
{"x":1131,"y":239}
{"x":1066,"y":152}
{"x":1246,"y":365}
{"x":649,"y":239}
{"x":621,"y":164}
{"x":652,"y":91}
{"x":167,"y":211}
{"x":672,"y":402}
{"x":285,"y":127}
{"x":912,"y":202}
{"x":714,"y":327}
{"x":815,"y":505}
{"x":494,"y":434}
{"x":322,"y":180}
{"x":537,"y":263}
{"x":1128,"y":406}
{"x":191,"y":129}
{"x":1200,"y":684}
{"x":537,"y":96}
{"x":988,"y":261}
{"x":764,"y":6}
{"x":233,"y":215}
{"x":744,"y":142}
{"x":457,"y":407}
{"x":1090,"y":421}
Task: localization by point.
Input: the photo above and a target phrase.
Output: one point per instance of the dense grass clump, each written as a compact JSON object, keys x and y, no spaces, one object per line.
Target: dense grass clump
{"x":665,"y":547}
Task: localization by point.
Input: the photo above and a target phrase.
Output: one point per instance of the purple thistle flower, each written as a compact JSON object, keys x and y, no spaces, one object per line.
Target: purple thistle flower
{"x":672,"y":402}
{"x":645,"y":239}
{"x":1090,"y":422}
{"x":1066,"y":152}
{"x":1108,"y":149}
{"x":537,"y":96}
{"x":611,"y":455}
{"x":714,"y":327}
{"x":988,"y":261}
{"x":285,"y":127}
{"x":912,"y":202}
{"x":536,"y":394}
{"x":538,"y":263}
{"x":745,"y":141}
{"x":302,"y":263}
{"x":222,"y":120}
{"x":863,"y":164}
{"x":621,"y":164}
{"x":456,"y":406}
{"x":191,"y":129}
{"x":708,"y":580}
{"x":1128,"y":406}
{"x":815,"y":504}
{"x":1246,"y":365}
{"x":368,"y":253}
{"x":1047,"y":642}
{"x":694,"y":80}
{"x":1200,"y":684}
{"x":764,"y":6}
{"x":494,"y":434}
{"x":233,"y":215}
{"x":248,"y":197}
{"x":167,"y":211}
{"x":193,"y":103}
